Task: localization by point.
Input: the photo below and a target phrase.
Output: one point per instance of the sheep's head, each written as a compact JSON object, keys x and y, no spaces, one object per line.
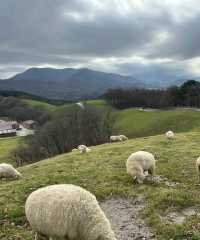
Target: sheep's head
{"x":18,"y":175}
{"x":88,"y":150}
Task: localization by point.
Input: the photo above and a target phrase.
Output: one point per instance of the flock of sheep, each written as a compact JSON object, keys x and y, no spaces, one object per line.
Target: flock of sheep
{"x":70,"y":212}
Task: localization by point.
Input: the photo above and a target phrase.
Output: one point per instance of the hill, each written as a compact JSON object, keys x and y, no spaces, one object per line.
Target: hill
{"x":135,"y":122}
{"x":149,"y":122}
{"x":7,"y":145}
{"x":67,"y":83}
{"x":103,"y":173}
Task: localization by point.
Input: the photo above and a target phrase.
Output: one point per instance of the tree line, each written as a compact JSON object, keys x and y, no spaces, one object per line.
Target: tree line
{"x":187,"y":95}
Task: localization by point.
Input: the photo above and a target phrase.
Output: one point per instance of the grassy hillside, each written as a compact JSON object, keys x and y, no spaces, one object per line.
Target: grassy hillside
{"x":97,"y":102}
{"x":139,"y":123}
{"x":35,"y":103}
{"x":52,"y":109}
{"x":135,"y":122}
{"x":7,"y":145}
{"x":102,"y":171}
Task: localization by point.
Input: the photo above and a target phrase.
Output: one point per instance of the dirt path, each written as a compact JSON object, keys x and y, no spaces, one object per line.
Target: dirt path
{"x":124,"y":215}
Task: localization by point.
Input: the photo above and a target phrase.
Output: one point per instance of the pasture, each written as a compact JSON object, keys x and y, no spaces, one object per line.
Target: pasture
{"x":102,"y":171}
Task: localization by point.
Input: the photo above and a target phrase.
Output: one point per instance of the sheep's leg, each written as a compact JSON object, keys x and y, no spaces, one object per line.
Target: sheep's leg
{"x":140,"y":176}
{"x":199,"y":176}
{"x":39,"y":236}
{"x":198,"y":172}
{"x":151,"y":171}
{"x":66,"y":238}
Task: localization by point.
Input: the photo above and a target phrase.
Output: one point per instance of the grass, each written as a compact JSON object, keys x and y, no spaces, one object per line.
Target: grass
{"x":54,"y":110}
{"x":97,"y":102}
{"x":43,"y":105}
{"x":103,"y":173}
{"x":137,"y":123}
{"x":7,"y":145}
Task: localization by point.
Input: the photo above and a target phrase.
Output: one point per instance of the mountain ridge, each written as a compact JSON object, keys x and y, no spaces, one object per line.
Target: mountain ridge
{"x":67,"y":83}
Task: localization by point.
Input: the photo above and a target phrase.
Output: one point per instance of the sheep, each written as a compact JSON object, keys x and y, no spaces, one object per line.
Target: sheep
{"x":83,"y":149}
{"x":123,"y":137}
{"x":8,"y":171}
{"x":198,"y":167}
{"x":140,"y":164}
{"x":66,"y":211}
{"x":74,"y":149}
{"x":115,"y":139}
{"x":118,"y":138}
{"x":169,"y":135}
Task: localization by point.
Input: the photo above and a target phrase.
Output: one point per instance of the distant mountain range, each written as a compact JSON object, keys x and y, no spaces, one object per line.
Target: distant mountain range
{"x":73,"y":84}
{"x":67,"y":83}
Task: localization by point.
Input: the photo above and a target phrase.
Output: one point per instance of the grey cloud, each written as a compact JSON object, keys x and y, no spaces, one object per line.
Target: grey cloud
{"x":45,"y":32}
{"x":184,"y":41}
{"x":162,"y":74}
{"x":40,"y":26}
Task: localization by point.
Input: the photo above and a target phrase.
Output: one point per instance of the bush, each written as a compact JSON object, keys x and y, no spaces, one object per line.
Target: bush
{"x":88,"y":126}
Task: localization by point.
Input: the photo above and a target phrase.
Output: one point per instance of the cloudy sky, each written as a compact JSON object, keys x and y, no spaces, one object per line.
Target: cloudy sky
{"x":143,"y":38}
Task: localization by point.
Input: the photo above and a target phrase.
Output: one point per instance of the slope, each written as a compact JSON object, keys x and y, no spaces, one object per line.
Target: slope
{"x":103,"y":172}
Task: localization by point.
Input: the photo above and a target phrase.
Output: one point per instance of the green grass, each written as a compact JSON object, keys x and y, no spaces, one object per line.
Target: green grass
{"x":7,"y":145}
{"x":102,"y":171}
{"x":136,"y":123}
{"x":97,"y":102}
{"x":54,"y":110}
{"x":43,"y":105}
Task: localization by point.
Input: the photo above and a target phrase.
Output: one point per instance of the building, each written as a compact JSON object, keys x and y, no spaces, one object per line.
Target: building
{"x":8,"y":129}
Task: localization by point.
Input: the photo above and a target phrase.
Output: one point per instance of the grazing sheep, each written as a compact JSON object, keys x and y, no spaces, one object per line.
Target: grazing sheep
{"x":123,"y":137}
{"x":139,"y":163}
{"x":74,"y":149}
{"x":67,"y":212}
{"x":83,"y":149}
{"x":115,"y":139}
{"x":169,"y":135}
{"x":198,"y":167}
{"x":8,"y":171}
{"x":81,"y":105}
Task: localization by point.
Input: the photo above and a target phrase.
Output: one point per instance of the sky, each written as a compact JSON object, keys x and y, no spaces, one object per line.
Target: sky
{"x":143,"y":38}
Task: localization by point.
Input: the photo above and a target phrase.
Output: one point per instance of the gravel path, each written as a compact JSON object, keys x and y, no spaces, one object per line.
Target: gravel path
{"x":124,"y":215}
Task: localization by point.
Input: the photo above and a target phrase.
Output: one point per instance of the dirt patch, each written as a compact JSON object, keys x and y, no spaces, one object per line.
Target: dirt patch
{"x":125,"y":218}
{"x":175,"y":218}
{"x":179,"y":217}
{"x":161,"y":179}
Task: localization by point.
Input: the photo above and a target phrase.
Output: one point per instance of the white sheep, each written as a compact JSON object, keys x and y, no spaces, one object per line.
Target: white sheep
{"x":123,"y":137}
{"x":8,"y":171}
{"x":83,"y":149}
{"x":169,"y":135}
{"x":140,"y":164}
{"x":115,"y":139}
{"x":67,"y":211}
{"x":198,"y":167}
{"x":74,"y":149}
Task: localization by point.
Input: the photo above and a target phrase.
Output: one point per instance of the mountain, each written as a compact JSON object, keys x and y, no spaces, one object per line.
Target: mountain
{"x":67,"y":83}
